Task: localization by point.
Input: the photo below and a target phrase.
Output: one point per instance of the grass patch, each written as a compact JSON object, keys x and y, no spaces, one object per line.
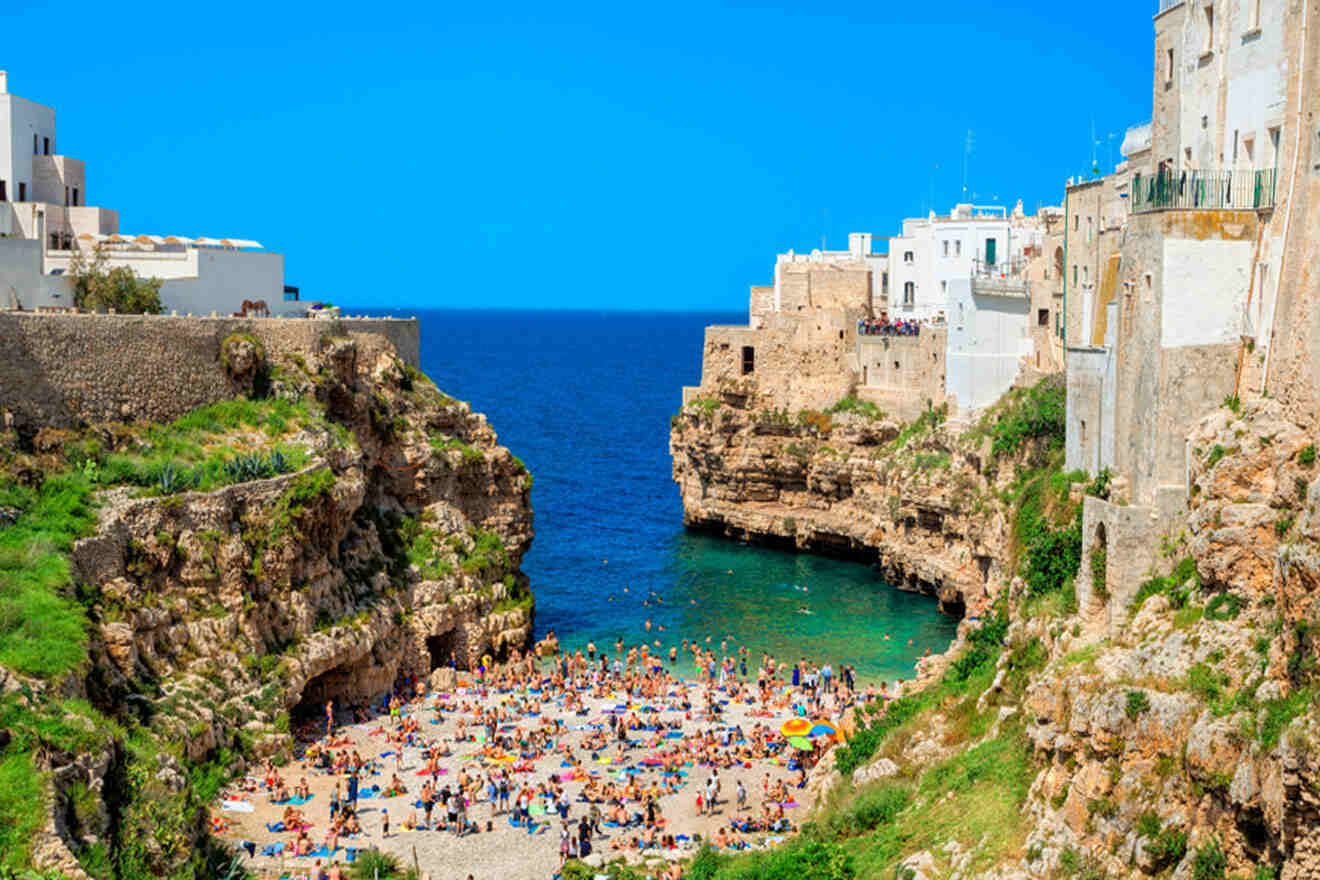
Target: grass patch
{"x":864,"y":408}
{"x":42,"y":626}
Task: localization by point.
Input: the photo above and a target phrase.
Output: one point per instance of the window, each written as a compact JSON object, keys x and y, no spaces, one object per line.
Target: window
{"x":4,"y":196}
{"x":1249,"y":147}
{"x":990,"y":251}
{"x":896,"y":365}
{"x":1086,"y":274}
{"x":907,"y":256}
{"x":946,"y":247}
{"x":22,"y":192}
{"x":45,"y":146}
{"x":66,"y":197}
{"x":75,"y":196}
{"x":1042,"y":317}
{"x":1235,"y":147}
{"x":748,"y":359}
{"x":1074,"y":274}
{"x":909,"y":293}
{"x":1168,"y":65}
{"x":34,"y":145}
{"x":1274,"y":147}
{"x":944,"y":287}
{"x":957,"y":248}
{"x":884,"y":284}
{"x":1209,"y":29}
{"x":1077,"y":222}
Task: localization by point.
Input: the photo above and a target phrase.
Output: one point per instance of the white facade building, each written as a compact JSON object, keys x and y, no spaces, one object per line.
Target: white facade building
{"x":989,"y":337}
{"x":43,"y":199}
{"x":932,"y":252}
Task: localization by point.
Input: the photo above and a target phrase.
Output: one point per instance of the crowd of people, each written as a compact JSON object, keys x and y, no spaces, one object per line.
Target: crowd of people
{"x":884,"y":327}
{"x":604,"y":747}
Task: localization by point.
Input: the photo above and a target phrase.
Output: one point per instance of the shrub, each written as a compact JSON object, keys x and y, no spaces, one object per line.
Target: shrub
{"x":1099,"y":565}
{"x":1306,"y":457}
{"x":1038,"y":414}
{"x":1209,"y":863}
{"x":1167,"y":847}
{"x":1216,"y":453}
{"x":1225,"y":606}
{"x":1099,"y":487}
{"x":1282,"y":526}
{"x":852,"y":404}
{"x":1137,"y":703}
{"x":95,"y":287}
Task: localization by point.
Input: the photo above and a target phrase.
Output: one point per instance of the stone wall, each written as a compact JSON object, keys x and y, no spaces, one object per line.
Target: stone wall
{"x":63,"y":370}
{"x":808,"y":286}
{"x":904,"y":374}
{"x":796,"y":363}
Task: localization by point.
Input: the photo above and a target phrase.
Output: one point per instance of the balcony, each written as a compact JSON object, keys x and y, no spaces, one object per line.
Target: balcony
{"x":1003,"y":278}
{"x":1204,"y":191}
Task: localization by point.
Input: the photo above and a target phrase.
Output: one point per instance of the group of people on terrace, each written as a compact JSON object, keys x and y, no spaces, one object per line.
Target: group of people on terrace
{"x":882,"y":326}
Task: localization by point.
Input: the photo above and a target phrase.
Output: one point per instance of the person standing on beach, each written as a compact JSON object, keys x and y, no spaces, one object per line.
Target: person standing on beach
{"x":329,"y":718}
{"x":351,"y":800}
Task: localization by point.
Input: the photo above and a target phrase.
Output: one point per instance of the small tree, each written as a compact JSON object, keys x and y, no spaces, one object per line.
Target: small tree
{"x":95,"y":287}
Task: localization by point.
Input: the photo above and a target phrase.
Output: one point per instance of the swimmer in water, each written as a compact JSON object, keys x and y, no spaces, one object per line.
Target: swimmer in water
{"x":911,"y":642}
{"x":803,"y":610}
{"x":648,"y":624}
{"x":886,"y":637}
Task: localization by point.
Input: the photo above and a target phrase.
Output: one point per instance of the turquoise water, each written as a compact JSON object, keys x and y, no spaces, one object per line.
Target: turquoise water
{"x":721,"y":590}
{"x":584,"y":398}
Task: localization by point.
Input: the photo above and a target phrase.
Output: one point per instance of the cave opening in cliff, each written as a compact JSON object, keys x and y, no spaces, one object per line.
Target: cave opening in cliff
{"x":442,"y":648}
{"x":341,"y":684}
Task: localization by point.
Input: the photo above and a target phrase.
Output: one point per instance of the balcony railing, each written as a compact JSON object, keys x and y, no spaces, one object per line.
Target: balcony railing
{"x":1014,"y":268}
{"x":1203,"y":190}
{"x":1166,"y":5}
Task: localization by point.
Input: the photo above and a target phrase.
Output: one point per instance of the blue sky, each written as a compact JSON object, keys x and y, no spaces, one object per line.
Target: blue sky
{"x":610,"y":155}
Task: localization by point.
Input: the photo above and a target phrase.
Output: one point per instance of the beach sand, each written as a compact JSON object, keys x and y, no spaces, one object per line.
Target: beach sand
{"x":506,"y":852}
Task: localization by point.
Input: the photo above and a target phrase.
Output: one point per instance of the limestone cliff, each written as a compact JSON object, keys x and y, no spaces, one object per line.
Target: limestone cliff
{"x":336,"y":524}
{"x":923,"y":500}
{"x":1050,"y":743}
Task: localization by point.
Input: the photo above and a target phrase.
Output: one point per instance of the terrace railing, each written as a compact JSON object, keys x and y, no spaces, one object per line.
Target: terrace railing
{"x":1203,"y":191}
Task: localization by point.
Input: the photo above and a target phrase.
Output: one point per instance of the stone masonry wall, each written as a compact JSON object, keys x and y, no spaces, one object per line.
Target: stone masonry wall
{"x":69,"y":369}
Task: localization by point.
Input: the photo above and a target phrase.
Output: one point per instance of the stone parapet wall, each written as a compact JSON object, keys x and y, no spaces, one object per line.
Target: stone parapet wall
{"x":64,"y":370}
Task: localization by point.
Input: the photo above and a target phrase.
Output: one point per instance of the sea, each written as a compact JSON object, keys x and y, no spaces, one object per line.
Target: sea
{"x":584,"y":399}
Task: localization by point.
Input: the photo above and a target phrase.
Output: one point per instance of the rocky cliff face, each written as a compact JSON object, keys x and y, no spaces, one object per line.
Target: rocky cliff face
{"x":1047,"y":744}
{"x":229,"y":594}
{"x":920,"y":500}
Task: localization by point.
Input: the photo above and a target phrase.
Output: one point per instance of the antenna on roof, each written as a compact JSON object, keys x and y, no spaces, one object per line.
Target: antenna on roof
{"x":967,"y":152}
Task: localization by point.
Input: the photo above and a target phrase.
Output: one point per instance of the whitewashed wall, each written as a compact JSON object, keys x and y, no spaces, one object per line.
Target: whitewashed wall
{"x":1205,"y":291}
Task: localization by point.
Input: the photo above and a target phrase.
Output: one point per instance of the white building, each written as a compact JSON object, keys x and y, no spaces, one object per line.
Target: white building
{"x":43,"y":199}
{"x":932,"y":252}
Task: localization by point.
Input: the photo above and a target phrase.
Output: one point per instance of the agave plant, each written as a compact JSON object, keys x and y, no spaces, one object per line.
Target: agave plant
{"x":172,"y":480}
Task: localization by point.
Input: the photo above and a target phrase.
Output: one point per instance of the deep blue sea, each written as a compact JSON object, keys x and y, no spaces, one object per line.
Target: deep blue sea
{"x":584,"y":399}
